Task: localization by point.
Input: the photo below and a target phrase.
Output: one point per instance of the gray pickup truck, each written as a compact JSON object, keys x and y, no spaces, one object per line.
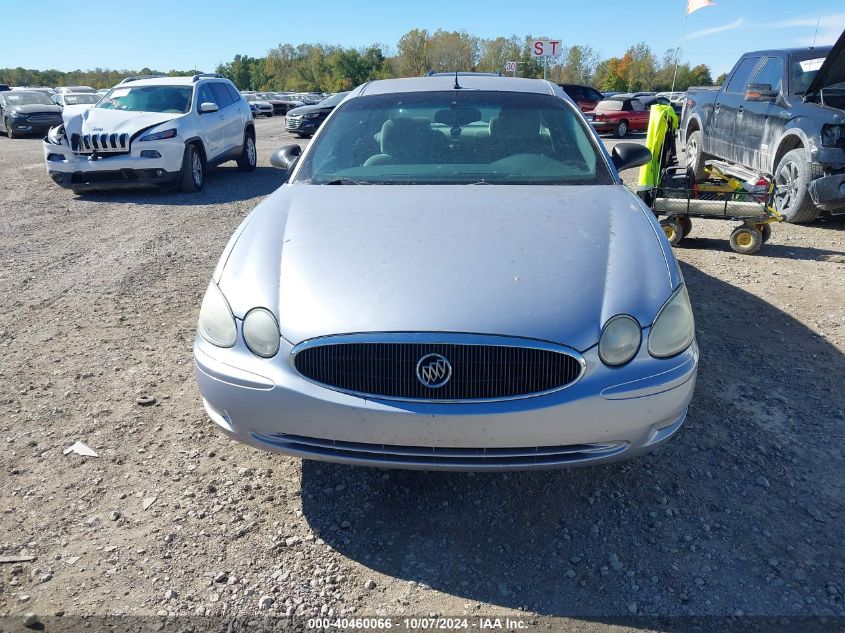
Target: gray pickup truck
{"x":780,"y":113}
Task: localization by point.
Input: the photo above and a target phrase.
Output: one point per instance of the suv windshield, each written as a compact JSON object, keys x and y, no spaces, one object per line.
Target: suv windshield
{"x":334,"y":99}
{"x":148,"y":98}
{"x":16,"y":98}
{"x":454,"y":137}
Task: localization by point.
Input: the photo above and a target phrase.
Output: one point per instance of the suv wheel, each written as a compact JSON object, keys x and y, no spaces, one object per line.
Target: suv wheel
{"x":193,"y":170}
{"x":10,"y":132}
{"x":249,"y":156}
{"x":792,"y":175}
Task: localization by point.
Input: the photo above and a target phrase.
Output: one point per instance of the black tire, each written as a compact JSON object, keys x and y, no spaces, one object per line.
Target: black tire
{"x":193,"y":170}
{"x":672,"y":230}
{"x":10,"y":132}
{"x":621,"y":129}
{"x":792,"y":175}
{"x":76,"y":192}
{"x":249,"y":156}
{"x":746,"y":240}
{"x":686,"y":225}
{"x":766,"y":232}
{"x":695,"y":156}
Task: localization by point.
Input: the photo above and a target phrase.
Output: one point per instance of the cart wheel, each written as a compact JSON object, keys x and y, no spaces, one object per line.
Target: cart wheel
{"x":766,"y":231}
{"x":686,"y":225}
{"x":746,"y":240}
{"x":673,"y":230}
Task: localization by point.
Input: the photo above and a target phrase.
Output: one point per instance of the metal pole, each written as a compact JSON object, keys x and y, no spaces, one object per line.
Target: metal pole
{"x":678,"y":53}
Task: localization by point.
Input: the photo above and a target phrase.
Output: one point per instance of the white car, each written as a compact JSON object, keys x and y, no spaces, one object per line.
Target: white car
{"x":152,"y":132}
{"x":259,"y":106}
{"x":64,"y":99}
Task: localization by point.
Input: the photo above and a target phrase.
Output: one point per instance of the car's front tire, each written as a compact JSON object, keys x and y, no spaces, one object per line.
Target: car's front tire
{"x":193,"y":170}
{"x":249,"y":156}
{"x":792,"y":176}
{"x":10,"y":131}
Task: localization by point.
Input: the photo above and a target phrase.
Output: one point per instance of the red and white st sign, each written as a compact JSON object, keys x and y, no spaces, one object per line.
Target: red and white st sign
{"x":546,"y":48}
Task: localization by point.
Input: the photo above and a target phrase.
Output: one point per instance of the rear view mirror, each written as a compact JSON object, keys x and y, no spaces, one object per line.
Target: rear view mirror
{"x":457,"y":117}
{"x":760,"y":92}
{"x":628,"y":155}
{"x":285,"y":158}
{"x":208,"y":106}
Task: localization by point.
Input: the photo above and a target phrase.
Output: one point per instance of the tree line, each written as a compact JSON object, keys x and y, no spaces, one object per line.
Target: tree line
{"x":331,"y":68}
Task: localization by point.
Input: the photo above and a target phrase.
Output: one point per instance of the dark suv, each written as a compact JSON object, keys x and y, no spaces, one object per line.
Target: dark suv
{"x":305,"y":120}
{"x":585,"y":96}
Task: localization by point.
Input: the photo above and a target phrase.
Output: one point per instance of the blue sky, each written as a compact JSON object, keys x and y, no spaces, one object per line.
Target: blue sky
{"x":70,"y":34}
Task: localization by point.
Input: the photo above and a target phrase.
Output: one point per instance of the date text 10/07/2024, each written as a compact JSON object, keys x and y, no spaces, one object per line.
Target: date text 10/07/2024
{"x":419,"y":623}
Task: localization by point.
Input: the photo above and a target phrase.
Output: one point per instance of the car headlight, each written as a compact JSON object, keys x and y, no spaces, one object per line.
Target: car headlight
{"x":620,"y":340}
{"x":56,"y":134}
{"x":261,"y":332}
{"x":157,"y":136}
{"x":674,"y":328}
{"x":216,"y":323}
{"x":831,"y":134}
{"x":313,"y":115}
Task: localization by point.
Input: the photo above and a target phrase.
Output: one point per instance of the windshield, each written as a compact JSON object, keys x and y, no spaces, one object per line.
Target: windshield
{"x":16,"y":98}
{"x":454,"y":137}
{"x":802,"y":69}
{"x":148,"y":99}
{"x":253,"y":98}
{"x":83,"y":98}
{"x":334,"y":99}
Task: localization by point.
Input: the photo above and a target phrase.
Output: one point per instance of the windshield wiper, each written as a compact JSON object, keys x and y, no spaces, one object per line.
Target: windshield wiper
{"x":344,"y":181}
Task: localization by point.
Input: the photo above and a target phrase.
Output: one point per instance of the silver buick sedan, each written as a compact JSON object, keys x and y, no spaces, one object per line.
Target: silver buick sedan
{"x":455,"y":278}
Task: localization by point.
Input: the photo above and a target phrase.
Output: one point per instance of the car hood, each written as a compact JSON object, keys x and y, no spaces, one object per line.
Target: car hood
{"x":832,"y":71}
{"x":96,"y":120}
{"x":550,"y":263}
{"x":308,"y":109}
{"x":31,"y":108}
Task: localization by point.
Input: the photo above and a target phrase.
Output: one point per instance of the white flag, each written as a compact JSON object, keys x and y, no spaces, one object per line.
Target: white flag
{"x":695,"y":5}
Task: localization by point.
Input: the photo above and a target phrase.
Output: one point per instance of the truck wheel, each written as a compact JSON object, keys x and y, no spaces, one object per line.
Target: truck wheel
{"x":792,"y":175}
{"x":193,"y":170}
{"x":746,"y":240}
{"x":621,"y":129}
{"x":249,"y":156}
{"x":696,"y":156}
{"x":672,"y":230}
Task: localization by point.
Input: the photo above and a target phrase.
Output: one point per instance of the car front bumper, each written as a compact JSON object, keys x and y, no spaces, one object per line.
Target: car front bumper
{"x":828,"y":192}
{"x":115,"y":171}
{"x":303,"y":126}
{"x":609,"y":414}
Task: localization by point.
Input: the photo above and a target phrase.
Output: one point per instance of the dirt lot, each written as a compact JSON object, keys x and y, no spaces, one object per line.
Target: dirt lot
{"x":741,"y":513}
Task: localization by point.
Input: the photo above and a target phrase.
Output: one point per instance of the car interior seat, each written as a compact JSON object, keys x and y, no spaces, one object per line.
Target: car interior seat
{"x":408,"y":140}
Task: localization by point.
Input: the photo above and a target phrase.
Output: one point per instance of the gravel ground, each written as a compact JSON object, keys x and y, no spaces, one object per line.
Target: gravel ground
{"x":741,"y":513}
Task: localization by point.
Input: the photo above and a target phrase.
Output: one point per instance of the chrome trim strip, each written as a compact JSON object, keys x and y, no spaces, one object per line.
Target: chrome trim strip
{"x":435,"y":338}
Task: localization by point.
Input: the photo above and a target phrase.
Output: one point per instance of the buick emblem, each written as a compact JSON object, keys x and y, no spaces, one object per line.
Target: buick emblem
{"x":434,"y":370}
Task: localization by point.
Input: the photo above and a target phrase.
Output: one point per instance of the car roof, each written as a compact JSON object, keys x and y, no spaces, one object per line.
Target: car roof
{"x":439,"y":83}
{"x":172,"y":81}
{"x":821,"y":50}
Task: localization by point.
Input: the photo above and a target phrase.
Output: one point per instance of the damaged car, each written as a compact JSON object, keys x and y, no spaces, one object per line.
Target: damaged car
{"x":454,"y":277}
{"x":152,"y":132}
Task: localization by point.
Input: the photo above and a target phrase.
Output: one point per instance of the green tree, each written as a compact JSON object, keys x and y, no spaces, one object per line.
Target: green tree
{"x":414,"y":55}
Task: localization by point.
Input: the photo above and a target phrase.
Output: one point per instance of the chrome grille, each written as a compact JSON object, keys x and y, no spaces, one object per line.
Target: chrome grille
{"x":482,"y":368}
{"x":100,"y":143}
{"x":444,"y":457}
{"x":292,"y":122}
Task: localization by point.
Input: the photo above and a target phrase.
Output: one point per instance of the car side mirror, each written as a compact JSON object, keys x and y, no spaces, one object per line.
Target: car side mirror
{"x":208,"y":106}
{"x":285,"y":158}
{"x":760,"y":92}
{"x":628,"y":155}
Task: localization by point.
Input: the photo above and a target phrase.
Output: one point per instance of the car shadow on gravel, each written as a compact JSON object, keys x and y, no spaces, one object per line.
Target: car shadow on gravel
{"x":223,"y":184}
{"x":740,"y":513}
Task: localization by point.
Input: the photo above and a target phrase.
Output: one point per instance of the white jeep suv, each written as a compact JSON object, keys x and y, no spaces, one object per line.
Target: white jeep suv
{"x":153,"y":132}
